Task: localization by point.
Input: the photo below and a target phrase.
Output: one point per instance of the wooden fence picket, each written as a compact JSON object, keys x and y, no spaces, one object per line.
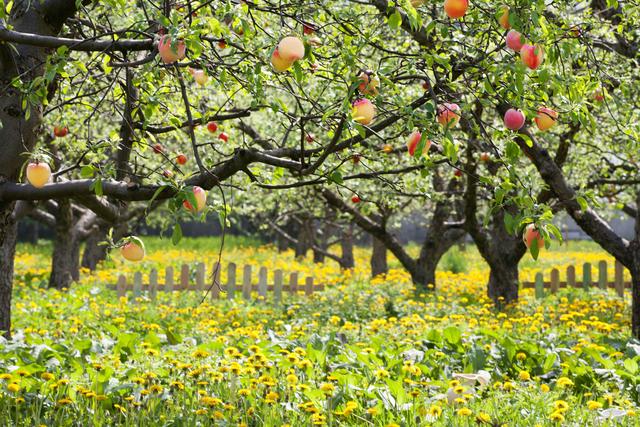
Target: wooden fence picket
{"x":137,"y":284}
{"x":586,"y":275}
{"x":121,"y":286}
{"x":231,"y":280}
{"x":246,"y":282}
{"x":262,"y":282}
{"x":277,"y":286}
{"x":309,"y":286}
{"x":184,"y":277}
{"x":293,"y":283}
{"x":555,"y":280}
{"x":539,"y":286}
{"x":153,"y":284}
{"x":602,"y":275}
{"x":215,"y":284}
{"x":200,"y":271}
{"x":571,"y":276}
{"x":168,"y":280}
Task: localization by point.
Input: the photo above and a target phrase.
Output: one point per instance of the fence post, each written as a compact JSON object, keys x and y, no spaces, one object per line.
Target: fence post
{"x":586,"y":275}
{"x":309,"y":286}
{"x":215,"y":288}
{"x":555,"y":280}
{"x":168,"y":280}
{"x":619,"y":279}
{"x":137,"y":284}
{"x":153,"y":284}
{"x":184,"y":277}
{"x":122,"y":286}
{"x":246,"y":282}
{"x":277,"y":286}
{"x":262,"y":282}
{"x":571,"y":276}
{"x":293,"y":283}
{"x":603,"y":280}
{"x":539,"y":285}
{"x":200,"y":276}
{"x":231,"y":280}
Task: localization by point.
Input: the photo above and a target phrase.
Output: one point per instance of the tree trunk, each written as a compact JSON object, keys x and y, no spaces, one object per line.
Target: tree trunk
{"x":635,"y":274}
{"x":503,"y":282}
{"x":62,"y":263}
{"x":93,"y":251}
{"x":378,"y":258}
{"x":281,"y":243}
{"x":424,"y":275}
{"x":322,"y":241}
{"x":305,"y":238}
{"x":8,"y":235}
{"x":346,"y":245}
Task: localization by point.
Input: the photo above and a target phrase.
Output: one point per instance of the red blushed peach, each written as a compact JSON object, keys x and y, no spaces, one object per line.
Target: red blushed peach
{"x":414,"y":140}
{"x":170,"y":51}
{"x":201,"y":200}
{"x":38,"y":174}
{"x":514,"y":40}
{"x":363,"y":111}
{"x":369,"y":83}
{"x":531,"y":234}
{"x":279,"y":63}
{"x":291,"y":49}
{"x":514,"y":119}
{"x":504,"y":18}
{"x":456,"y":9}
{"x":546,"y":118}
{"x":448,"y":114}
{"x":133,"y":250}
{"x":532,"y":55}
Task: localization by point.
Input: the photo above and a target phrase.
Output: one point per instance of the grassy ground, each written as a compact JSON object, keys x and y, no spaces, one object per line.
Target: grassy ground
{"x":363,"y":352}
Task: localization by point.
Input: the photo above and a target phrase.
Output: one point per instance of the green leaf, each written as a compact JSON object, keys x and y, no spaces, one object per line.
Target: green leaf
{"x":452,"y":335}
{"x":631,"y":365}
{"x":582,"y":202}
{"x":395,"y":19}
{"x":176,"y":235}
{"x":336,"y":177}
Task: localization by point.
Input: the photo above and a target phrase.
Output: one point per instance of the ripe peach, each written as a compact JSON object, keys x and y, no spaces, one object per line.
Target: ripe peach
{"x":504,"y":18}
{"x":181,"y":159}
{"x":201,"y":200}
{"x":355,"y":199}
{"x":456,"y":8}
{"x":514,"y":119}
{"x":291,"y":49}
{"x":448,"y":114}
{"x":60,"y":131}
{"x":133,"y":250}
{"x":363,"y":111}
{"x":212,"y":127}
{"x":369,"y":83}
{"x":199,"y":76}
{"x":515,"y":41}
{"x":387,"y":148}
{"x":414,"y":140}
{"x":485,"y":157}
{"x":532,"y":55}
{"x":171,"y":51}
{"x":546,"y":118}
{"x":38,"y":174}
{"x":223,"y":136}
{"x":278,"y":62}
{"x":531,"y":234}
{"x":458,"y":173}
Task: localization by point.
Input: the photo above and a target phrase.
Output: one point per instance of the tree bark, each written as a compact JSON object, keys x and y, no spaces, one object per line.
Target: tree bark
{"x":378,"y":258}
{"x":94,"y":253}
{"x":305,"y":237}
{"x":346,"y":245}
{"x":635,"y":274}
{"x":62,"y":263}
{"x":503,"y":282}
{"x":8,"y":235}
